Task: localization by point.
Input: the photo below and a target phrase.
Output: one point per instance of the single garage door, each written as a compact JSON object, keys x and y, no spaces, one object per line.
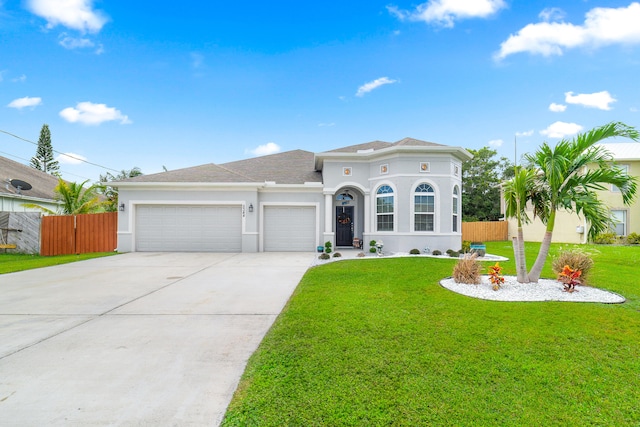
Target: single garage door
{"x":186,"y":228}
{"x":289,"y":228}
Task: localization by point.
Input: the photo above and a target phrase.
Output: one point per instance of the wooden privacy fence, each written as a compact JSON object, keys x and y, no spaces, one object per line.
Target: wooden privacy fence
{"x":78,"y":234}
{"x":485,"y":231}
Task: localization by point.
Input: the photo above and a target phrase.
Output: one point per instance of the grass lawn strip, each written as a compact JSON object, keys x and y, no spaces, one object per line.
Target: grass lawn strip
{"x":382,"y":343}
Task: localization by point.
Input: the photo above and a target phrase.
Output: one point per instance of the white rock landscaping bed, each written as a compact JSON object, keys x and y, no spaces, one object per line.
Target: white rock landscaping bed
{"x":544,"y":290}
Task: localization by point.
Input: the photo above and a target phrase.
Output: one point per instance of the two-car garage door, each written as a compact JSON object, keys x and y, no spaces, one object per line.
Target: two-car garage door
{"x":187,"y":228}
{"x":218,"y":228}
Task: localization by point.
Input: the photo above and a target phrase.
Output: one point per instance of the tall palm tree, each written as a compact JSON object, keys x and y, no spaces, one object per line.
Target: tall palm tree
{"x":111,"y":193}
{"x":567,"y":177}
{"x":74,"y":199}
{"x":517,"y":192}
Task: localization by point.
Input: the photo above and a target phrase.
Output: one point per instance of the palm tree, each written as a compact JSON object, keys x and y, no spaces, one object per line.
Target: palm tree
{"x":517,"y":192}
{"x":111,"y":193}
{"x":567,"y":177}
{"x":74,"y":199}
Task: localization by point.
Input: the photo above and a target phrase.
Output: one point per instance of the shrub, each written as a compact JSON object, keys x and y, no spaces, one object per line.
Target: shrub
{"x":373,"y":249}
{"x":414,"y":251}
{"x":467,"y":270}
{"x":605,"y":239}
{"x":570,"y":278}
{"x":633,"y":238}
{"x":449,"y":251}
{"x":436,"y":253}
{"x":494,"y":276}
{"x":327,"y":247}
{"x":324,"y":256}
{"x":373,"y":243}
{"x":337,"y":255}
{"x":360,"y":254}
{"x":454,"y":254}
{"x":466,"y":246}
{"x":576,"y":260}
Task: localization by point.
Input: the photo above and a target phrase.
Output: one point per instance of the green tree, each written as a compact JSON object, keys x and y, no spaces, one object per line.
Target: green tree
{"x":568,"y":176}
{"x":481,"y":178}
{"x":43,"y":160}
{"x":74,"y":199}
{"x":111,"y":193}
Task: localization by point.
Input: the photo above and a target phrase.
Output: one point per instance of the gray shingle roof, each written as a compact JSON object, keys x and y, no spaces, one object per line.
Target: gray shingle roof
{"x":379,"y":145}
{"x":42,"y":183}
{"x":290,"y":167}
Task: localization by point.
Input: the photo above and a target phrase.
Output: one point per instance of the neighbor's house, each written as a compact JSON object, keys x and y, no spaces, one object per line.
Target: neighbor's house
{"x":571,"y":228}
{"x":13,"y":199}
{"x":406,"y":194}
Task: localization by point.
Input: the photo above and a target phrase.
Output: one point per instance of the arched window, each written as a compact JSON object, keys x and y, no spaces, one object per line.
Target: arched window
{"x":344,"y":196}
{"x":384,"y":208}
{"x":455,"y":209}
{"x":424,"y":208}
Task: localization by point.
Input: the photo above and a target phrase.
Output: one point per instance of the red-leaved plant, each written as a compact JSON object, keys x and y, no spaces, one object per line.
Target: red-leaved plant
{"x":570,"y":278}
{"x":494,"y":276}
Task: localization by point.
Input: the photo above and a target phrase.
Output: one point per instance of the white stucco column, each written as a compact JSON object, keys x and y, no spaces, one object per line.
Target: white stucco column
{"x":367,"y":213}
{"x":328,"y":213}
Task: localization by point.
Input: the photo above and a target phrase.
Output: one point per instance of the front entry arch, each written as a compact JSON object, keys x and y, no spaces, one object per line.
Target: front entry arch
{"x":344,"y":225}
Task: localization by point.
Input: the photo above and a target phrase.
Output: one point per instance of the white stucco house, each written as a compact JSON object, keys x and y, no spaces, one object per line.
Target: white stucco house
{"x":406,"y":193}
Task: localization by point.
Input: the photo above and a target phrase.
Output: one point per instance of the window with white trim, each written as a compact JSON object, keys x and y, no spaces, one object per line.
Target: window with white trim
{"x":620,"y":222}
{"x":424,"y":208}
{"x":625,"y":169}
{"x":384,"y":208}
{"x":455,"y":207}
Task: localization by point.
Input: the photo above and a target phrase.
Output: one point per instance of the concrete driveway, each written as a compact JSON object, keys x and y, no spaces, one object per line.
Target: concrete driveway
{"x":138,"y":338}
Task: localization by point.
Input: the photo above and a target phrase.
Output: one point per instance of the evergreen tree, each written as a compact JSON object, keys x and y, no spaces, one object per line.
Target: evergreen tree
{"x":43,"y":160}
{"x":481,"y":178}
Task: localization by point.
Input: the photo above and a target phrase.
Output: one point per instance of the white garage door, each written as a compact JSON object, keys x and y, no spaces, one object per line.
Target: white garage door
{"x":185,"y":228}
{"x":289,"y":228}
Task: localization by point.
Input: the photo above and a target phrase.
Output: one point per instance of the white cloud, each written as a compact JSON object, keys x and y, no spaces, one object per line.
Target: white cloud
{"x":368,"y":87}
{"x":21,"y":79}
{"x":89,"y":113}
{"x":525,"y":133}
{"x":599,"y":100}
{"x":445,"y":12}
{"x":69,"y":42}
{"x":27,"y":101}
{"x":496,"y":143}
{"x":557,"y":108}
{"x":552,"y":14}
{"x":561,"y":129}
{"x":71,"y":158}
{"x":263,"y":150}
{"x":602,"y":26}
{"x":76,"y":14}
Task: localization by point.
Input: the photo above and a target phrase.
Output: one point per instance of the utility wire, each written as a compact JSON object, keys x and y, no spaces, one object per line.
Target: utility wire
{"x":61,"y":171}
{"x":58,"y":152}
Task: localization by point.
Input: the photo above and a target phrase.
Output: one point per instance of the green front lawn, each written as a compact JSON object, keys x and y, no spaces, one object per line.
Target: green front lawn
{"x":379,"y":342}
{"x":10,"y":263}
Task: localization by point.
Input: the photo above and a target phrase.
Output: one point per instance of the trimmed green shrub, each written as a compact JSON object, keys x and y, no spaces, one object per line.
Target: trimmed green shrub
{"x":372,"y":243}
{"x":605,"y":239}
{"x":373,"y":249}
{"x":324,"y":256}
{"x":327,"y":247}
{"x":337,"y":255}
{"x":436,"y":253}
{"x":360,"y":254}
{"x":414,"y":251}
{"x":466,"y":247}
{"x":633,"y":238}
{"x":453,"y":254}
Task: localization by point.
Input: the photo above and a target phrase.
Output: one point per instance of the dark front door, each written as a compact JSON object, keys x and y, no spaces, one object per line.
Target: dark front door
{"x":344,"y":225}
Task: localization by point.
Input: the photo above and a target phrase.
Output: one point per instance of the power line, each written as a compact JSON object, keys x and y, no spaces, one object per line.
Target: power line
{"x":58,"y":152}
{"x":61,"y":171}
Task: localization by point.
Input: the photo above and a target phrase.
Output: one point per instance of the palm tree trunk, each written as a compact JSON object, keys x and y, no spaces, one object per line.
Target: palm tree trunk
{"x":536,"y":270}
{"x":521,"y":262}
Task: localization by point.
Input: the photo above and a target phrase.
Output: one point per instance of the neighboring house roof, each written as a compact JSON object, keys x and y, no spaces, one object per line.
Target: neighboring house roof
{"x":204,"y":173}
{"x":42,"y":183}
{"x":379,"y":145}
{"x":624,"y":150}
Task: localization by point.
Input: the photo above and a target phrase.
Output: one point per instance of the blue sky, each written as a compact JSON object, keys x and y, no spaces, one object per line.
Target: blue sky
{"x":179,"y":84}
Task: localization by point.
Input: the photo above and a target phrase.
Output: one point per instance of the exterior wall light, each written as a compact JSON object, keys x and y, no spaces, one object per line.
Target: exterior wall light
{"x":121,"y":207}
{"x":250,"y":207}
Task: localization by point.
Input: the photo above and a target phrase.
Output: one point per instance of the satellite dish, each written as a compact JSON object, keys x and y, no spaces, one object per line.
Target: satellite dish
{"x":20,"y":185}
